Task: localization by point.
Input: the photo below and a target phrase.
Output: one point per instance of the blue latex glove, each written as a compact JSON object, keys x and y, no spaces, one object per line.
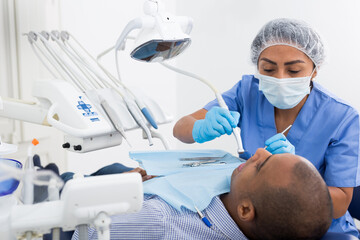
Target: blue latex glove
{"x":279,"y":144}
{"x":217,"y":122}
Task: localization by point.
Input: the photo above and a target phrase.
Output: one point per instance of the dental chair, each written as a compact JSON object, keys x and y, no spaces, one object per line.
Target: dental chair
{"x":338,"y":236}
{"x":354,"y":210}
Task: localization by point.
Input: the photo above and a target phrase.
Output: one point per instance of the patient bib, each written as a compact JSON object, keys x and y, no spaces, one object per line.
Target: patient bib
{"x":187,"y":187}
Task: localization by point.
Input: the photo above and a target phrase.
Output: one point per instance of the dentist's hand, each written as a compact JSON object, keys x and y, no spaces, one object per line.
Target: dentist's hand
{"x":279,"y":144}
{"x":217,"y":122}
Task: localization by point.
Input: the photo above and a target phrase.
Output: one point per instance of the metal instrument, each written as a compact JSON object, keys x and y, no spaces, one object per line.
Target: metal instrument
{"x":197,"y":164}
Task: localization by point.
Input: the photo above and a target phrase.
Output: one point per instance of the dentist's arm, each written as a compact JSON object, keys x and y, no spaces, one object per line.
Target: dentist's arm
{"x":203,"y":126}
{"x":341,"y":198}
{"x":183,"y":128}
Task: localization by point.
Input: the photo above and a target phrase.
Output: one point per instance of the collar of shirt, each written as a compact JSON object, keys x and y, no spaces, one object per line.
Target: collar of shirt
{"x":222,"y":221}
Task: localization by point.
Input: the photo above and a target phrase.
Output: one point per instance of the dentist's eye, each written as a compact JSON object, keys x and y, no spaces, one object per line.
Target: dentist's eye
{"x":293,"y":72}
{"x":268,"y":70}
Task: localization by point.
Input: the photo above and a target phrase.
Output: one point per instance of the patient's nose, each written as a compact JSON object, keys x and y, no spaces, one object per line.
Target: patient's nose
{"x":261,"y":154}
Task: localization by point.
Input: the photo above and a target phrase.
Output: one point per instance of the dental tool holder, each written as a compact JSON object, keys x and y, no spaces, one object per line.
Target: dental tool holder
{"x":79,"y":115}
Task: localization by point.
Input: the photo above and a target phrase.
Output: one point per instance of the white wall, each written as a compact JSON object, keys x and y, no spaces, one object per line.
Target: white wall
{"x":8,"y":72}
{"x":222,"y":35}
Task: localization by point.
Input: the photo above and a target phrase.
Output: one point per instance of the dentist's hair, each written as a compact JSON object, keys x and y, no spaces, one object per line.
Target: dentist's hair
{"x":290,"y":32}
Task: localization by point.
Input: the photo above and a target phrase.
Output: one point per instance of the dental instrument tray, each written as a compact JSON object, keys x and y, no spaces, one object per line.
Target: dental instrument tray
{"x":172,"y":161}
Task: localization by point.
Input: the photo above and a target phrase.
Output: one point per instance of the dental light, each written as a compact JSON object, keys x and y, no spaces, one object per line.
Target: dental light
{"x":162,"y":35}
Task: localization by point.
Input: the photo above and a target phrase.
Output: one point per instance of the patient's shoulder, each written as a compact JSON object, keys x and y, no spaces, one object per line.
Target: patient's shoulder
{"x":157,"y":204}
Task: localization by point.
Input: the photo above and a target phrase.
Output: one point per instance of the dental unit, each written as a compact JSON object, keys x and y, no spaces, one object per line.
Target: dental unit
{"x":90,"y":110}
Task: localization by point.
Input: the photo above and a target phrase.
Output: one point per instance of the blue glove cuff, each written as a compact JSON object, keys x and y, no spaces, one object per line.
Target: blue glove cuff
{"x":197,"y":130}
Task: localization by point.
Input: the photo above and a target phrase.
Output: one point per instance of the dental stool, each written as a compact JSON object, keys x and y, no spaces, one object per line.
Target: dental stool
{"x":354,"y":208}
{"x":338,"y":236}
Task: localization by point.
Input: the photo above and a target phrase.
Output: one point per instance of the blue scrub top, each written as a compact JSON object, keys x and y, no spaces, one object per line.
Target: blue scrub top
{"x":326,"y":132}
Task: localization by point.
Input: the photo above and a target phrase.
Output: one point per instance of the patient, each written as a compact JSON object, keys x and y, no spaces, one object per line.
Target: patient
{"x":271,"y":197}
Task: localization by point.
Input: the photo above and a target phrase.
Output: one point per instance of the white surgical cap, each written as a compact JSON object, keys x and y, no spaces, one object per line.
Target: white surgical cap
{"x":290,"y":32}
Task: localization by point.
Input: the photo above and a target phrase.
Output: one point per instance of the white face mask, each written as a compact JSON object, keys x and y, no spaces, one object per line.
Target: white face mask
{"x":284,"y":93}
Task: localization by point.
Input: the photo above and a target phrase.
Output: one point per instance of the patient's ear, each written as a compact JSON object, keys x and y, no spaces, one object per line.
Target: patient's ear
{"x":246,"y":210}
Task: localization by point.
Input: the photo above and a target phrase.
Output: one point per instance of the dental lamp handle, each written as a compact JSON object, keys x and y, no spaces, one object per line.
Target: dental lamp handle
{"x":152,"y":7}
{"x":137,"y":23}
{"x":236,"y":131}
{"x":186,"y":23}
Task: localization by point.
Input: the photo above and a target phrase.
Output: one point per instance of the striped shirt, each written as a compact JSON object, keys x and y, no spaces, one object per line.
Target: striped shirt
{"x":158,"y":220}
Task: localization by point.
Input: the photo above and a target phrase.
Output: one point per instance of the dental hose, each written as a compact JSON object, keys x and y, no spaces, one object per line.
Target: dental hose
{"x":236,"y":130}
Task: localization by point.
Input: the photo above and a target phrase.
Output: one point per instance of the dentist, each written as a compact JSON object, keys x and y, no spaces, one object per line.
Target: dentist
{"x":288,"y":54}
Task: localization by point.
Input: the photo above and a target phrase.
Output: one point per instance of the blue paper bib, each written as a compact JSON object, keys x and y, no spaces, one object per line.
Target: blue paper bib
{"x":183,"y":186}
